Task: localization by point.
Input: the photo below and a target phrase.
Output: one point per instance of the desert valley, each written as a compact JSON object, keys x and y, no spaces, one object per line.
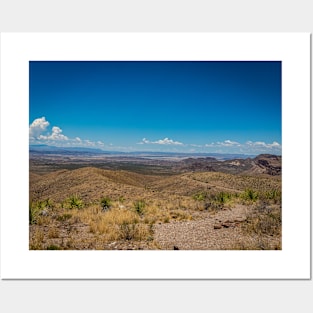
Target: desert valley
{"x":88,"y":199}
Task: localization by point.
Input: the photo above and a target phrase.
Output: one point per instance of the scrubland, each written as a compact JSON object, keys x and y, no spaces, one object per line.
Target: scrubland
{"x":92,"y":208}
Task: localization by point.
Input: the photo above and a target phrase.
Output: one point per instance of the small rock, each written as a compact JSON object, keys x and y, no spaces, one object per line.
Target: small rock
{"x":217,"y":226}
{"x":44,"y":213}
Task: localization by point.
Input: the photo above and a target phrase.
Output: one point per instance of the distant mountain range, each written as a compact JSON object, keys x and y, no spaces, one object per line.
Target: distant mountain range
{"x":46,"y":149}
{"x":53,"y":149}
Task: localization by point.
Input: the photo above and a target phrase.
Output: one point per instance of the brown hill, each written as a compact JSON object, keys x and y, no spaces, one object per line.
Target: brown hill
{"x":90,"y":184}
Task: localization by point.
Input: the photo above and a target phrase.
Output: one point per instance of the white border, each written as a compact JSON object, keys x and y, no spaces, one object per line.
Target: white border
{"x":293,"y":262}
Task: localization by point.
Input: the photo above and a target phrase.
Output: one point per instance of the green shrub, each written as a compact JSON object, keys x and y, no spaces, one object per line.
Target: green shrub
{"x":105,"y":203}
{"x":139,"y":206}
{"x":37,"y":208}
{"x":74,"y":202}
{"x":33,"y":214}
{"x":64,"y":217}
{"x":250,"y":194}
{"x":222,"y":197}
{"x":200,"y":196}
{"x":121,"y":199}
{"x":274,"y":195}
{"x":53,"y":247}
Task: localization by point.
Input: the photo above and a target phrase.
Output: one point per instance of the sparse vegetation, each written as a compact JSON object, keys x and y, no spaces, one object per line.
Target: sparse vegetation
{"x":54,"y":247}
{"x":38,"y":208}
{"x":200,"y":196}
{"x":73,"y":202}
{"x":250,"y":195}
{"x":223,"y":197}
{"x":53,"y":233}
{"x":105,"y":203}
{"x":64,"y":217}
{"x":67,"y":215}
{"x":139,"y":207}
{"x":36,"y":240}
{"x":264,"y":222}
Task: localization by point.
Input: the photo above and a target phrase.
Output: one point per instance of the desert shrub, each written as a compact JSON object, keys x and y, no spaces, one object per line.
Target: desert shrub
{"x":33,"y":214}
{"x":53,"y":247}
{"x":222,"y":197}
{"x":267,"y":223}
{"x":213,"y":206}
{"x":36,"y":240}
{"x":109,"y":222}
{"x":121,"y":224}
{"x":260,"y":243}
{"x":127,"y":230}
{"x":135,"y":231}
{"x":250,"y":195}
{"x":216,"y":201}
{"x":64,"y":217}
{"x":73,"y":202}
{"x":274,"y":195}
{"x":36,"y":209}
{"x":139,"y":206}
{"x":180,"y":215}
{"x":200,"y":196}
{"x":121,"y":199}
{"x":105,"y":203}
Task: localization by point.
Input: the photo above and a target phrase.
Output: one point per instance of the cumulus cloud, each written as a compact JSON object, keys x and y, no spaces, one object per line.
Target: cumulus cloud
{"x":39,"y":133}
{"x":228,"y":143}
{"x":165,"y":141}
{"x":56,"y":135}
{"x":37,"y":127}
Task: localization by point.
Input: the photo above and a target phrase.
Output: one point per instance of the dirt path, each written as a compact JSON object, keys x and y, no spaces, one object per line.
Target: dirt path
{"x":209,"y":232}
{"x":206,"y":185}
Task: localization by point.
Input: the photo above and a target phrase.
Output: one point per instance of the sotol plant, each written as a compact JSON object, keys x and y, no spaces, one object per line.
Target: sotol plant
{"x":74,"y":202}
{"x":37,"y":208}
{"x":105,"y":203}
{"x":139,"y":206}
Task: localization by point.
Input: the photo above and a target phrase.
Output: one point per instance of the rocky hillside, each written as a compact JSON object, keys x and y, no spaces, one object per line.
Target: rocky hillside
{"x":262,"y":164}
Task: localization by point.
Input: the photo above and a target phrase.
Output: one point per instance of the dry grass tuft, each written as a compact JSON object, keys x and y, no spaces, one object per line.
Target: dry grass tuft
{"x":264,"y":221}
{"x":36,"y":240}
{"x":53,"y":233}
{"x":120,"y":224}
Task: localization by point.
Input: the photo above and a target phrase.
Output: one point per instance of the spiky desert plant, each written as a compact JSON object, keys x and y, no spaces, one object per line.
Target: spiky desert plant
{"x":250,"y":194}
{"x":139,"y":206}
{"x":105,"y":203}
{"x":74,"y":202}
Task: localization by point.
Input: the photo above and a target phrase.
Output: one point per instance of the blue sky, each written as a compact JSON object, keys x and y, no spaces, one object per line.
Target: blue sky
{"x":194,"y":106}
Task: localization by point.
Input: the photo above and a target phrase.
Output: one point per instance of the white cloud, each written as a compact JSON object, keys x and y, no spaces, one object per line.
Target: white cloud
{"x":56,"y":135}
{"x":262,"y":144}
{"x":249,"y":147}
{"x":39,"y":133}
{"x":275,"y":145}
{"x":38,"y":126}
{"x":225,"y":143}
{"x":165,"y":141}
{"x":228,"y":143}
